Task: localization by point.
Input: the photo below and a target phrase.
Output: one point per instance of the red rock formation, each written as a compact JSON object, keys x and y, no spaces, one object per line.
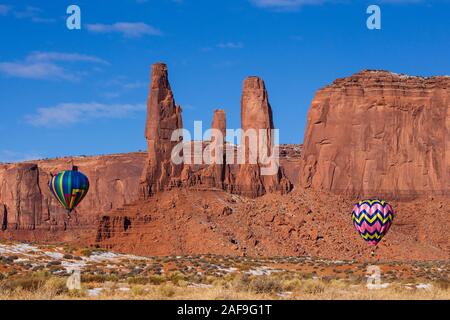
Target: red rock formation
{"x":3,"y":217}
{"x":214,"y":174}
{"x":220,"y":123}
{"x":256,"y":114}
{"x":379,"y":134}
{"x":361,"y":131}
{"x":163,"y":117}
{"x":20,"y":186}
{"x":303,"y":222}
{"x":27,"y":204}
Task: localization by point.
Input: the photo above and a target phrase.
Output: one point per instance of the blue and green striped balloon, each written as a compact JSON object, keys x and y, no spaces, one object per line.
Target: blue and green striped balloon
{"x":69,"y":188}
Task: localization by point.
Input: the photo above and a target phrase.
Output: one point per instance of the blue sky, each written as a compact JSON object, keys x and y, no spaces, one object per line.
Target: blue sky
{"x":83,"y":92}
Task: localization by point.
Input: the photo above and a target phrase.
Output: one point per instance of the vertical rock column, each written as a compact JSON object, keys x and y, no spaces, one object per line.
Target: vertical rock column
{"x":163,"y":117}
{"x":214,"y":175}
{"x":256,"y":114}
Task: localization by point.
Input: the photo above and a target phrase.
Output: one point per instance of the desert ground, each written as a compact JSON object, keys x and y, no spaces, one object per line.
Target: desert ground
{"x":37,"y":272}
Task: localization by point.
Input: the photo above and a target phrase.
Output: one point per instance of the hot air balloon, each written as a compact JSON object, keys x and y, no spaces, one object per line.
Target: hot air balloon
{"x":372,"y":219}
{"x":69,"y":188}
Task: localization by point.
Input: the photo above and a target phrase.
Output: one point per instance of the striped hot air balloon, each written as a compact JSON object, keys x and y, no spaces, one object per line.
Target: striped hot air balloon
{"x":372,"y":219}
{"x":69,"y":188}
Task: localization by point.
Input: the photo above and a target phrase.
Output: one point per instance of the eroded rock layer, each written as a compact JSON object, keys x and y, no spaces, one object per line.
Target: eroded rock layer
{"x":379,"y":134}
{"x":301,"y":223}
{"x":26,"y":203}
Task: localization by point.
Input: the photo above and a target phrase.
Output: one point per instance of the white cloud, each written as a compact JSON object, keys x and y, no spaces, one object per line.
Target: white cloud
{"x":4,"y":9}
{"x":35,"y":70}
{"x":127,"y":29}
{"x":29,"y":12}
{"x":65,"y":114}
{"x":117,"y":86}
{"x":285,"y":4}
{"x":134,"y":85}
{"x":8,"y":156}
{"x":63,"y":56}
{"x":43,"y":65}
{"x":401,"y":1}
{"x":230,"y":45}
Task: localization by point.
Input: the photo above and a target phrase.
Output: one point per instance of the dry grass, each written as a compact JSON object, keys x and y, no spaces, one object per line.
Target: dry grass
{"x":40,"y":274}
{"x":41,"y":286}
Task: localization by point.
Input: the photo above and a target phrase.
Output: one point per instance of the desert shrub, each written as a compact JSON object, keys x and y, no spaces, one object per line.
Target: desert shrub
{"x":176,"y":277}
{"x":100,"y":278}
{"x":183,"y":283}
{"x":242,"y":282}
{"x":348,"y":271}
{"x":265,"y":284}
{"x":6,"y":260}
{"x":167,"y":290}
{"x":37,"y":268}
{"x":138,"y":280}
{"x":442,"y":284}
{"x":291,"y":284}
{"x":226,"y":281}
{"x":138,"y":290}
{"x":86,"y":252}
{"x":312,"y":286}
{"x":76,"y":293}
{"x":12,"y":272}
{"x":156,"y":279}
{"x":69,"y":249}
{"x":53,"y":263}
{"x":31,"y":282}
{"x":195,"y":278}
{"x":56,"y":285}
{"x":89,"y":251}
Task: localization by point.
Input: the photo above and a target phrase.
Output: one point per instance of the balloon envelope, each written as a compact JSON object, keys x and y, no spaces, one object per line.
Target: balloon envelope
{"x":69,"y":188}
{"x":372,"y":219}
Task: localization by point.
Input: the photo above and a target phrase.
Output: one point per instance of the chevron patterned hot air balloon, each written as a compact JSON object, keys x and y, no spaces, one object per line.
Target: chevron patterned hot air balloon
{"x":372,"y":219}
{"x":69,"y":188}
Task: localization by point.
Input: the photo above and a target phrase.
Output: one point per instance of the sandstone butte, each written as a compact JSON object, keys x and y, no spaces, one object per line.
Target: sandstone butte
{"x":373,"y":134}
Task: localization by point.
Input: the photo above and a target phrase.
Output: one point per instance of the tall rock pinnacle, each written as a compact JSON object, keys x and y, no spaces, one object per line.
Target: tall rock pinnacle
{"x":219,"y":121}
{"x":163,"y":117}
{"x":256,"y":114}
{"x":214,"y":175}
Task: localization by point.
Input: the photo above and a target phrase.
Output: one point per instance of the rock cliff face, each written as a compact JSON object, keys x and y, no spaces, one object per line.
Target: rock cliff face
{"x":26,"y":203}
{"x":20,"y":189}
{"x":379,"y":134}
{"x":303,"y":222}
{"x":163,"y":117}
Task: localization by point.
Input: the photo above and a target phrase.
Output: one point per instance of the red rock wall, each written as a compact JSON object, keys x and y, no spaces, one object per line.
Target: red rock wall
{"x":27,"y":204}
{"x":379,"y":134}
